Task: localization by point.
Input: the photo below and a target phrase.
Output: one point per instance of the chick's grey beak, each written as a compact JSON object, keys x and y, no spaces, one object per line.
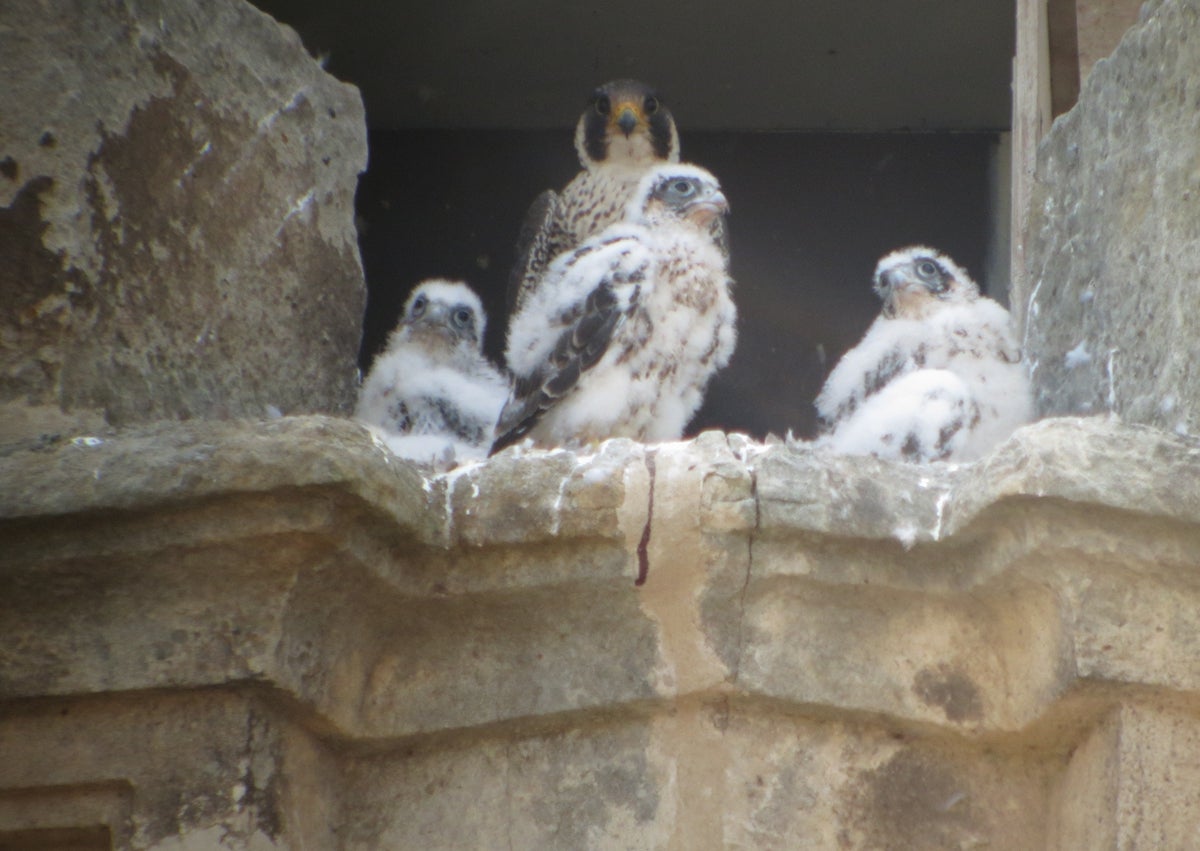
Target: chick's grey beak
{"x":434,"y":317}
{"x":707,"y":209}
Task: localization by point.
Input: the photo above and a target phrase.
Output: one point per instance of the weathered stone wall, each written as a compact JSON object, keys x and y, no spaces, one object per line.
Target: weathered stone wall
{"x":176,"y":217}
{"x":251,"y":635}
{"x":1113,"y":240}
{"x":280,"y":633}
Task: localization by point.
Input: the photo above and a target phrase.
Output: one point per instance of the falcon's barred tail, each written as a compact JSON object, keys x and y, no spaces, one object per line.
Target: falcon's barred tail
{"x":577,"y":350}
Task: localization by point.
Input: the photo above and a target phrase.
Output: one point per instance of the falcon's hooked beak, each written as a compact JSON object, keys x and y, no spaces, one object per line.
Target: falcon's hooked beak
{"x":628,"y":116}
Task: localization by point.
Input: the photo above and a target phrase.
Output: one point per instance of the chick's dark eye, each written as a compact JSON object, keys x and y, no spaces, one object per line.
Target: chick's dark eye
{"x":461,"y":318}
{"x":418,"y":306}
{"x":683,"y":187}
{"x":927,"y":269}
{"x":650,"y":104}
{"x":603,"y":105}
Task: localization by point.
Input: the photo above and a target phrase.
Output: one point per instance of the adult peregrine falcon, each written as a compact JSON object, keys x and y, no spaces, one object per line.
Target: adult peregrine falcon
{"x":938,"y":375}
{"x":622,"y":334}
{"x":625,"y":130}
{"x":431,"y":394}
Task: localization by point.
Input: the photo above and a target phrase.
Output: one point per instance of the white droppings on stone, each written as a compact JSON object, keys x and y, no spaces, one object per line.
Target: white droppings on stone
{"x":1031,"y":310}
{"x":595,"y":475}
{"x":906,"y":534}
{"x":87,"y":442}
{"x":299,"y":205}
{"x":450,"y":480}
{"x":204,"y":151}
{"x":1112,"y":380}
{"x":556,"y":511}
{"x":273,"y":413}
{"x":942,"y":500}
{"x":265,"y":123}
{"x":1078,"y":356}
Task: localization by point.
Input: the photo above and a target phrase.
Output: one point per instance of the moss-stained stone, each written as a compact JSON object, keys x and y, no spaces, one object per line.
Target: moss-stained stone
{"x":176,"y":215}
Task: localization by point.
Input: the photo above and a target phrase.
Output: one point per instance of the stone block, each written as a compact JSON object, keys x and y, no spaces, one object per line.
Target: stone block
{"x":991,"y":659}
{"x":162,"y":773}
{"x":1113,"y":238}
{"x":705,"y":644}
{"x":1132,"y":783}
{"x":176,"y":216}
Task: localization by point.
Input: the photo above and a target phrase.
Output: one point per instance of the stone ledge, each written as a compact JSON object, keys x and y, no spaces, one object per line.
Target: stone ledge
{"x":533,"y":496}
{"x":299,"y":554}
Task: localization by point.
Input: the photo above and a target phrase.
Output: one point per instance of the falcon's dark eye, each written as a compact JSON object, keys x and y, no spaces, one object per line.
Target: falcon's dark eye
{"x":650,"y":104}
{"x":683,"y":187}
{"x":927,"y":269}
{"x":461,"y":318}
{"x":418,"y":307}
{"x":603,"y":105}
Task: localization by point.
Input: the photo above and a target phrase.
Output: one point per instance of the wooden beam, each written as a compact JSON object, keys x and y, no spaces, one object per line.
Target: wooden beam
{"x":1030,"y":120}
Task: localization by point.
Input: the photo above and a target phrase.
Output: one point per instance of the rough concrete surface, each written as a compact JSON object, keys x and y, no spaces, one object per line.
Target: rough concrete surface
{"x":842,"y":652}
{"x":176,"y":217}
{"x":1113,"y":241}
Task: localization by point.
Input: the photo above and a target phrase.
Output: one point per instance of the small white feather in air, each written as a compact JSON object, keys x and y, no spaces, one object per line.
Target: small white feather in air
{"x":938,"y":375}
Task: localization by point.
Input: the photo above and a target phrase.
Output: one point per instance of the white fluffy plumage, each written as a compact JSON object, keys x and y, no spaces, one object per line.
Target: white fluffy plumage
{"x":622,"y":335}
{"x":938,"y":375}
{"x":431,"y":395}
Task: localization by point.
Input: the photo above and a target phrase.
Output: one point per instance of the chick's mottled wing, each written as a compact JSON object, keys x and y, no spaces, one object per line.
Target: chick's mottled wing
{"x":888,"y":349}
{"x":926,"y":415}
{"x":567,"y":325}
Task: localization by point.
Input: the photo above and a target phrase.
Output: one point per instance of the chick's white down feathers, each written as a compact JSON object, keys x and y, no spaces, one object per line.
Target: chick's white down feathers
{"x":431,"y":395}
{"x":938,"y":374}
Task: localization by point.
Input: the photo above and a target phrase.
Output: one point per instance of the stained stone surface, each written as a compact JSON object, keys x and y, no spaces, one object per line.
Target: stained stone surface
{"x":562,"y":650}
{"x":176,"y":218}
{"x":1113,"y":241}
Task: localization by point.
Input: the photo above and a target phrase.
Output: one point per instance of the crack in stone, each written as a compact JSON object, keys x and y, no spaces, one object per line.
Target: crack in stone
{"x":644,"y":544}
{"x":741,"y":629}
{"x":508,"y":802}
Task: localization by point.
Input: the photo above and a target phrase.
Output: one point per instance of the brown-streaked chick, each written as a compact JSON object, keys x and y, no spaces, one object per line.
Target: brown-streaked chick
{"x":623,"y":334}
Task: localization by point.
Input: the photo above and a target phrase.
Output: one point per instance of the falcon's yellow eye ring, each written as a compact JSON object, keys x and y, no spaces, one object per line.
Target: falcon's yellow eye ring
{"x":603,"y":105}
{"x":650,"y":105}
